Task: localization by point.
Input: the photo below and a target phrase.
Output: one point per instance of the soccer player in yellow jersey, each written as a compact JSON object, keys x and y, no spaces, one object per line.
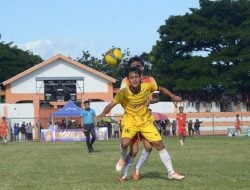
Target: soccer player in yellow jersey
{"x":134,"y":144}
{"x":137,"y":118}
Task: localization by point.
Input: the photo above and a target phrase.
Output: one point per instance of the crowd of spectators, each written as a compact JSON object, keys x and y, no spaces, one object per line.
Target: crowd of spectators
{"x":22,"y":132}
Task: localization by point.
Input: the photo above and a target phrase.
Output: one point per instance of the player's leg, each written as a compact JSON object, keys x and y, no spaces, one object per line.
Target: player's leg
{"x":127,"y":134}
{"x":125,"y":141}
{"x":166,"y":160}
{"x":87,"y":135}
{"x":181,"y":134}
{"x":184,"y":134}
{"x":5,"y":139}
{"x":122,"y":160}
{"x":237,"y":134}
{"x":143,"y":158}
{"x":93,"y":135}
{"x":153,"y":136}
{"x":134,"y":149}
{"x":128,"y":164}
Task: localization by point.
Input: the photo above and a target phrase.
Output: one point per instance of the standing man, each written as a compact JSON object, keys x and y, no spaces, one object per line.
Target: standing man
{"x":174,"y":125}
{"x":190,"y":128}
{"x":16,"y":132}
{"x":137,"y":118}
{"x":116,"y":128}
{"x":4,"y":130}
{"x":237,"y":126}
{"x":197,"y":126}
{"x":89,"y":121}
{"x":136,"y":62}
{"x":181,"y":119}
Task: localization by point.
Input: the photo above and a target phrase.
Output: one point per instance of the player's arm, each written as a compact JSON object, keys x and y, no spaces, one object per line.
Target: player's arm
{"x":82,"y":120}
{"x":107,"y":109}
{"x":154,"y":98}
{"x":167,"y":92}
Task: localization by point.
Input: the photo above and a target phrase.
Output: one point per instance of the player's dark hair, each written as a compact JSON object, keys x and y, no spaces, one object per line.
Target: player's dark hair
{"x":86,"y":102}
{"x":134,"y":70}
{"x":134,"y":59}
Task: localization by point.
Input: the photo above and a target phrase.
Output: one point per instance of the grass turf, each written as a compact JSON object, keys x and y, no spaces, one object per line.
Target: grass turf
{"x":208,"y":163}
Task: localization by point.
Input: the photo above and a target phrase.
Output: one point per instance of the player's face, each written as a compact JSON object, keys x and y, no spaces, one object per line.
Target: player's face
{"x":137,"y":64}
{"x":134,"y":79}
{"x":86,"y":105}
{"x":181,"y":110}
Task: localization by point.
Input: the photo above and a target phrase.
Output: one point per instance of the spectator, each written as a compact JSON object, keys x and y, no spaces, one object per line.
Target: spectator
{"x":174,"y":125}
{"x":109,"y":126}
{"x":163,"y":127}
{"x":190,"y":128}
{"x":237,"y":126}
{"x":29,"y":131}
{"x":158,"y":126}
{"x":23,"y":132}
{"x":197,"y":125}
{"x":52,"y":126}
{"x":116,"y":128}
{"x":16,"y":131}
{"x":168,"y":125}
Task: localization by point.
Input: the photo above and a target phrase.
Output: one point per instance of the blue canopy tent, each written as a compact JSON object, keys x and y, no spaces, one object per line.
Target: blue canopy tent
{"x":68,"y":110}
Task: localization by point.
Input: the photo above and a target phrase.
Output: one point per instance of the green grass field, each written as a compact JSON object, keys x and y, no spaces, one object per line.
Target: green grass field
{"x":208,"y":163}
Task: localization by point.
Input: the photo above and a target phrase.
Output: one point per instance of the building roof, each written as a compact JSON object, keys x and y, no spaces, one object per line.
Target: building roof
{"x":52,"y":59}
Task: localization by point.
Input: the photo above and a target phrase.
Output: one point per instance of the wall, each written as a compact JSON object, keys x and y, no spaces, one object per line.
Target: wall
{"x":213,"y":122}
{"x":28,"y":84}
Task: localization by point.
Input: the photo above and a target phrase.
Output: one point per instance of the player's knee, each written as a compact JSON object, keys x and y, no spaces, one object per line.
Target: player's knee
{"x":134,"y":153}
{"x":159,"y":145}
{"x":148,"y":149}
{"x":124,"y":144}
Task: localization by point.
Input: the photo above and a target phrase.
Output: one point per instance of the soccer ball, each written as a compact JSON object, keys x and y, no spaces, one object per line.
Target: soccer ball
{"x":113,"y":56}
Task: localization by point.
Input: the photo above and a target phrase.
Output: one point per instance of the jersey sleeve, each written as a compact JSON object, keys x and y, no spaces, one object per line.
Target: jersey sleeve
{"x":153,"y":86}
{"x":153,"y":81}
{"x":119,"y":96}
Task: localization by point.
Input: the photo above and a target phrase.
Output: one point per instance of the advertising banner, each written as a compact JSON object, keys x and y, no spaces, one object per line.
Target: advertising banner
{"x":71,"y":135}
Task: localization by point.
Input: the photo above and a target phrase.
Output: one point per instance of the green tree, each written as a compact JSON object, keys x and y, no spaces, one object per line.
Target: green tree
{"x":205,"y":53}
{"x":14,"y":60}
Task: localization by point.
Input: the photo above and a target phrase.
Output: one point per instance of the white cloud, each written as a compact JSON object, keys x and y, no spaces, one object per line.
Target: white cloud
{"x":50,"y":47}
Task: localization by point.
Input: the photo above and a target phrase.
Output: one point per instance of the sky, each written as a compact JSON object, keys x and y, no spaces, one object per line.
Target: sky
{"x":49,"y":27}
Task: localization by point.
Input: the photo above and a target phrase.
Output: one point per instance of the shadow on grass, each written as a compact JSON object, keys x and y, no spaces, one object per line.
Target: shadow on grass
{"x":97,"y":151}
{"x":153,"y":175}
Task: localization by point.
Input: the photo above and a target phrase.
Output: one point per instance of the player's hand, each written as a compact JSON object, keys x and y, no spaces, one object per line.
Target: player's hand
{"x":176,"y":98}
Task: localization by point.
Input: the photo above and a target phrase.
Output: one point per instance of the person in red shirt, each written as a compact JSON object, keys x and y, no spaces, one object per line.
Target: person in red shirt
{"x":237,"y":126}
{"x":4,"y":130}
{"x":181,"y":119}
